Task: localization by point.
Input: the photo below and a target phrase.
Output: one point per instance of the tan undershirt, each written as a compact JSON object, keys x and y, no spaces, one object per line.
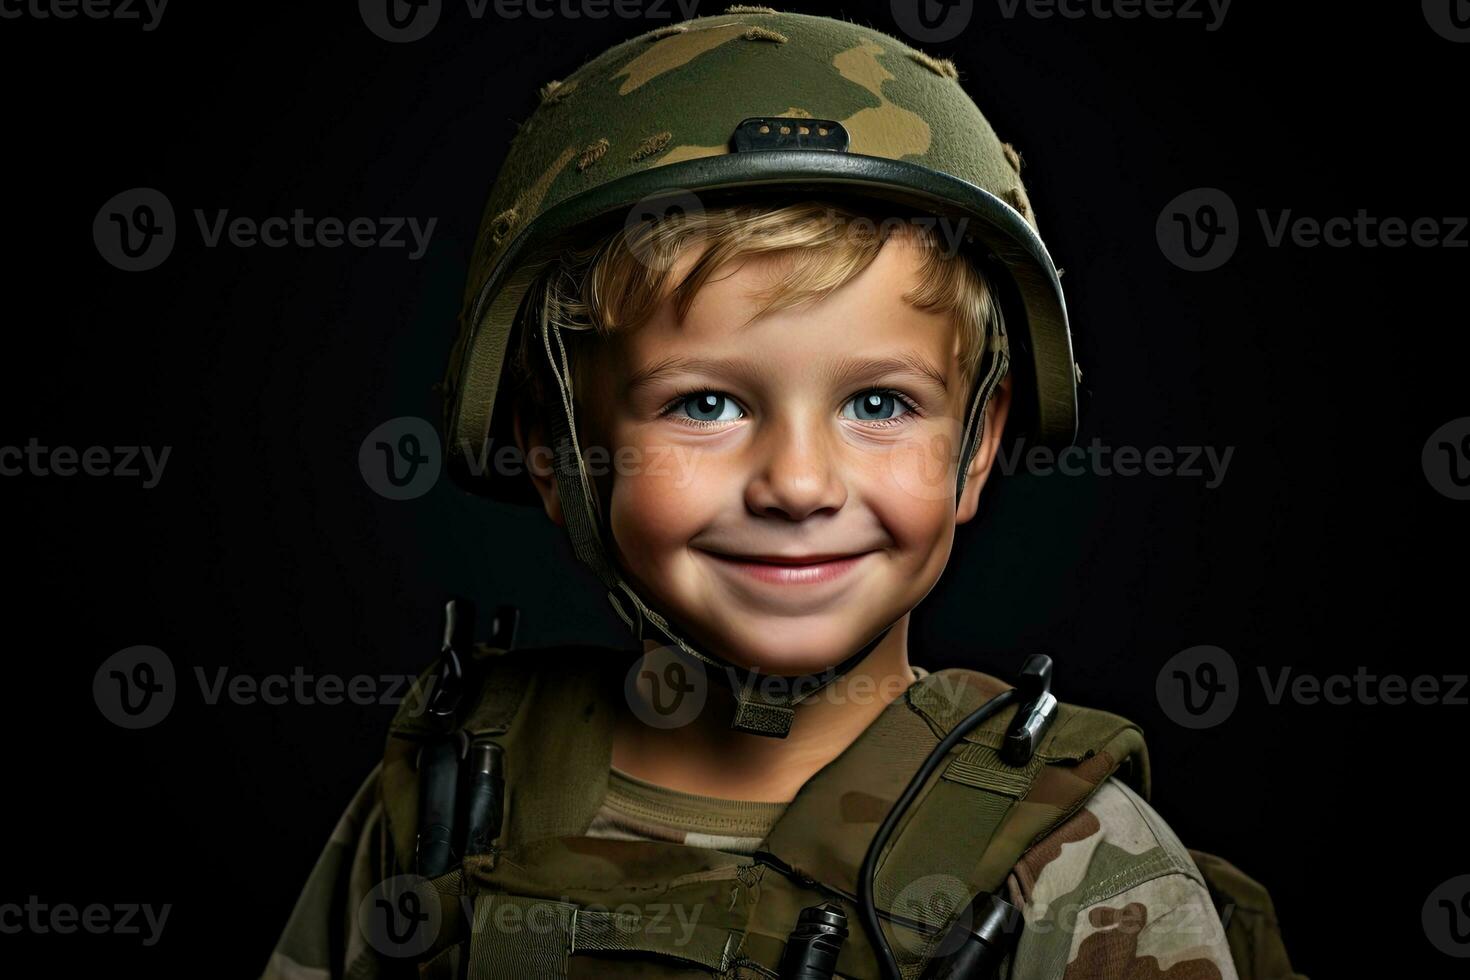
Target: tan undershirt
{"x":635,"y":809}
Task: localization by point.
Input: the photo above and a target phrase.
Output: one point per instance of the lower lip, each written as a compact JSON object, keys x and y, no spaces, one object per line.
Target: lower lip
{"x":824,"y":571}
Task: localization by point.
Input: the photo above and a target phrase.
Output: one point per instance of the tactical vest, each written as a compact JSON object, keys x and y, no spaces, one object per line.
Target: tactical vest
{"x":547,"y":901}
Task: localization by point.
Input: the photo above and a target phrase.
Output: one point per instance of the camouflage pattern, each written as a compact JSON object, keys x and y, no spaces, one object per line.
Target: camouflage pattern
{"x":1112,"y":893}
{"x":674,"y":95}
{"x":641,"y":908}
{"x":657,"y":113}
{"x":637,"y":810}
{"x":1104,"y":885}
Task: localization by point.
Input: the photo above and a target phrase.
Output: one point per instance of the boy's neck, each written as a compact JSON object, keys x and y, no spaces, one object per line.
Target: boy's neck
{"x":710,"y":758}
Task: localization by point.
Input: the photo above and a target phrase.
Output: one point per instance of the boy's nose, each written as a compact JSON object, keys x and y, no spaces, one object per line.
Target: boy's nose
{"x":796,"y":473}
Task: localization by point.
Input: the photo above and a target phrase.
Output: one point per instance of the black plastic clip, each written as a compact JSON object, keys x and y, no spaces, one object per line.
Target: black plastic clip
{"x":1037,"y":711}
{"x":438,"y":768}
{"x":459,"y":636}
{"x":485,"y":799}
{"x":813,"y":947}
{"x":789,"y":133}
{"x":979,"y":940}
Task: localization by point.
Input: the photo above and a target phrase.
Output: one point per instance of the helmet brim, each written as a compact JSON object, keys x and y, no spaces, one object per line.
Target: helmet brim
{"x":478,"y":420}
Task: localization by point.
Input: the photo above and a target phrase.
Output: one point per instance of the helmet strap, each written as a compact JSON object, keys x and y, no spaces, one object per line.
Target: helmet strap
{"x":998,"y":363}
{"x":764,"y":704}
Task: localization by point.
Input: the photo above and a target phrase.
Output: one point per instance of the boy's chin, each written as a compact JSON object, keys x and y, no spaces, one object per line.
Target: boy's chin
{"x":793,"y":658}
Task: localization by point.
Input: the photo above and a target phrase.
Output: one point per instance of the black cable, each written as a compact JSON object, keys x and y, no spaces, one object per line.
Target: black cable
{"x":866,"y":874}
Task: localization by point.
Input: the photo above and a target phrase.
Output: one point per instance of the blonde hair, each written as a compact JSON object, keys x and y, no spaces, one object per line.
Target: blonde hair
{"x":618,"y":282}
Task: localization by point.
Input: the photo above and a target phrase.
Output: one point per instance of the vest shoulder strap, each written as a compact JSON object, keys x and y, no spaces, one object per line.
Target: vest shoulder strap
{"x":990,"y":813}
{"x":555,"y":793}
{"x":552,"y":711}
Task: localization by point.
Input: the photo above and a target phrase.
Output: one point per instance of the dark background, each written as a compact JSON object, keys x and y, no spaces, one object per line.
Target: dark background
{"x":263,"y":550}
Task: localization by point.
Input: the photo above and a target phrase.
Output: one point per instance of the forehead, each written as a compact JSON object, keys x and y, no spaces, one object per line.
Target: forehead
{"x":867,"y":316}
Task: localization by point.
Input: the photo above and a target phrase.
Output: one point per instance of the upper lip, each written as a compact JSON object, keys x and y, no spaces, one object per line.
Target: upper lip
{"x":789,"y":559}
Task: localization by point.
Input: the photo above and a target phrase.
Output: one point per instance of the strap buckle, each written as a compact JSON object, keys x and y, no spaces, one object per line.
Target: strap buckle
{"x":1038,"y":710}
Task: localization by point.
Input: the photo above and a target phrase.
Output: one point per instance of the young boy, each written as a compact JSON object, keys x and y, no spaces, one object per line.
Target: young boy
{"x":760,"y":413}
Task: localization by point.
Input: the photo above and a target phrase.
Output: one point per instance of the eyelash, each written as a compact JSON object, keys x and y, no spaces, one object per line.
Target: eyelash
{"x":682,"y":396}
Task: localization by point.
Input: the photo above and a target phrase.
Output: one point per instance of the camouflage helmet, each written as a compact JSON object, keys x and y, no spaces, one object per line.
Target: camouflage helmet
{"x":735,"y":106}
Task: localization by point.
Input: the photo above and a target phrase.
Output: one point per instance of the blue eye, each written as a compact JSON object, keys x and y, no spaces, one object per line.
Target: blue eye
{"x":878,"y":405}
{"x":709,"y":406}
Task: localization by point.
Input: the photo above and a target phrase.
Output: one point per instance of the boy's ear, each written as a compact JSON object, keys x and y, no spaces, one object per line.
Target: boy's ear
{"x":531,"y":439}
{"x":984,"y":458}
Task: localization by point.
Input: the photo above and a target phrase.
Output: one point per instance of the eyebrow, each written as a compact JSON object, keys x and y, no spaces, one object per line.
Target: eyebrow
{"x":908,"y":362}
{"x":847,"y":368}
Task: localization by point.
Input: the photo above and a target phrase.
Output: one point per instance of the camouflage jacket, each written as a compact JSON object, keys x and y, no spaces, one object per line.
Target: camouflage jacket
{"x":1110,"y":894}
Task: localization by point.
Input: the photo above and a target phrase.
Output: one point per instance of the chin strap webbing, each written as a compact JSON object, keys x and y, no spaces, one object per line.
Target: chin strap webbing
{"x":999,"y":363}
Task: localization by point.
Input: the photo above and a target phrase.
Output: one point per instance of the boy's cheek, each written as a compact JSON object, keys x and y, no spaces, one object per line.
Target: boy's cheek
{"x":671,"y":484}
{"x":923,"y":468}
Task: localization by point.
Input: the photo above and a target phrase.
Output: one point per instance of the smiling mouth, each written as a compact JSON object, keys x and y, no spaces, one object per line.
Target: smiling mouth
{"x":789,"y":569}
